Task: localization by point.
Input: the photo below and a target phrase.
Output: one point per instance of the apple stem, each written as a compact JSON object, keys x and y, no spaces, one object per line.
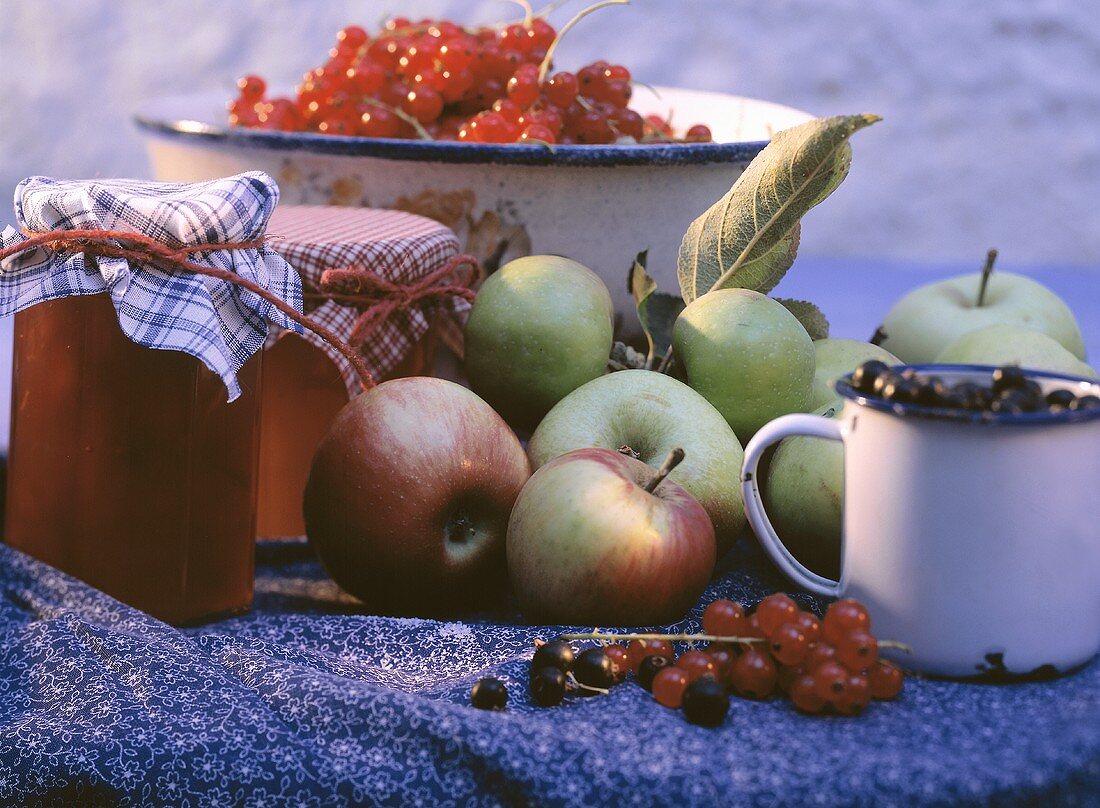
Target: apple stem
{"x":987,"y":270}
{"x":671,"y":462}
{"x":879,"y":336}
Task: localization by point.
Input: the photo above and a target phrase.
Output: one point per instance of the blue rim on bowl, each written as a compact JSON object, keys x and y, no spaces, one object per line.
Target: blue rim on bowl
{"x":1086,"y":386}
{"x":191,"y":118}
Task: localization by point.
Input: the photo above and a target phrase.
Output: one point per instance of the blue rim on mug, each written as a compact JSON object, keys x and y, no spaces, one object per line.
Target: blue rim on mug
{"x":844,"y":388}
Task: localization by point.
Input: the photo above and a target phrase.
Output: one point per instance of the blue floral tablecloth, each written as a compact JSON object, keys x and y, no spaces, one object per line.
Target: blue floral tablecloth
{"x":306,"y":701}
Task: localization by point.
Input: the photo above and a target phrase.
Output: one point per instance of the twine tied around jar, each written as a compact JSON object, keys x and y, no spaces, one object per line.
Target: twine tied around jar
{"x":377,"y":296}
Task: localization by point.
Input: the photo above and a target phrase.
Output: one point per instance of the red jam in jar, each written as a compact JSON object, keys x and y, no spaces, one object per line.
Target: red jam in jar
{"x":127,"y":468}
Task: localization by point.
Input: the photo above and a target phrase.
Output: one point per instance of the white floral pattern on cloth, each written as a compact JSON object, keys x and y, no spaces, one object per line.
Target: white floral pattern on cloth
{"x":306,"y":702}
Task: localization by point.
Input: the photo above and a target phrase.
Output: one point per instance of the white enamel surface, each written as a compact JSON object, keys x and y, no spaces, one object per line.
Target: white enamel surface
{"x":601,"y":216}
{"x":966,"y":540}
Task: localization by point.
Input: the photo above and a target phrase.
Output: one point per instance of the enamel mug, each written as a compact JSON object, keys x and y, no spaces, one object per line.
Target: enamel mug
{"x":974,"y":538}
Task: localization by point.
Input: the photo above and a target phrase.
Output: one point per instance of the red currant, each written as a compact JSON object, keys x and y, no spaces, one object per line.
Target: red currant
{"x":592,"y":127}
{"x":550,"y":118}
{"x":857,"y":651}
{"x":754,"y":674}
{"x":424,"y":104}
{"x":562,"y":89}
{"x":367,"y":79}
{"x":803,"y":695}
{"x":541,"y":34}
{"x":700,"y":133}
{"x":252,"y":87}
{"x":886,"y":680}
{"x":523,"y":86}
{"x":787,"y":676}
{"x":628,"y":123}
{"x":538,"y":133}
{"x":831,"y":681}
{"x":377,"y":122}
{"x":669,"y":685}
{"x":508,"y":110}
{"x":640,"y":649}
{"x":696,"y":664}
{"x":334,"y":126}
{"x":810,"y":626}
{"x":351,"y":38}
{"x":723,"y":618}
{"x":857,"y":695}
{"x":620,"y":660}
{"x":789,"y":645}
{"x":775,"y":610}
{"x":819,"y":654}
{"x":844,"y":617}
{"x":723,"y":656}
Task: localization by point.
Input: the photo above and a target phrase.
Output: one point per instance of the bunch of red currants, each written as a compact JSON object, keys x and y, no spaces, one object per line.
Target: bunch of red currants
{"x":436,"y":80}
{"x":821,"y":665}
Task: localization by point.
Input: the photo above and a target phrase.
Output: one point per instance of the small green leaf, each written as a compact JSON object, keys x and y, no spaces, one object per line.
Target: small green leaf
{"x":747,"y":239}
{"x":657,"y":311}
{"x":811,"y":317}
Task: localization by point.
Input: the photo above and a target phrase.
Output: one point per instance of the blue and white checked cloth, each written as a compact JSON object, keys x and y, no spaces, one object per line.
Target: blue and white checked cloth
{"x":219,"y":323}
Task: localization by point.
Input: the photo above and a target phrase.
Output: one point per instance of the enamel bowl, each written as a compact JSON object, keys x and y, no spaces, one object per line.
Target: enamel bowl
{"x":600,"y":205}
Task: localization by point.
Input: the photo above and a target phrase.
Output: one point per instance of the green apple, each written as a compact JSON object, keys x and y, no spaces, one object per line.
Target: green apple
{"x":541,"y":326}
{"x":652,"y":414}
{"x":839,"y":357}
{"x":1013,"y":345}
{"x":930,"y":318}
{"x":747,"y":355}
{"x":803,"y":491}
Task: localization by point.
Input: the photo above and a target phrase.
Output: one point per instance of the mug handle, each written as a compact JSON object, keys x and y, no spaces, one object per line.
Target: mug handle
{"x":782,"y":427}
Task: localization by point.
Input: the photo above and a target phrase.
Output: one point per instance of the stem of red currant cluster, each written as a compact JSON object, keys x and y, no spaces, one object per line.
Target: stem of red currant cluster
{"x":610,"y":636}
{"x":528,"y":12}
{"x":421,"y":132}
{"x":544,"y":68}
{"x":987,"y":270}
{"x":672,"y":461}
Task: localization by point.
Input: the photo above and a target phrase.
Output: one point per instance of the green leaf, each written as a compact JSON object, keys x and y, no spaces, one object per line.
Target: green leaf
{"x":811,"y":317}
{"x":748,"y":238}
{"x":761,"y":274}
{"x":657,"y":311}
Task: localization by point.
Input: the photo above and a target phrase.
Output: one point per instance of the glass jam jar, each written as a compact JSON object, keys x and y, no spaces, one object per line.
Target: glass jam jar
{"x":127,"y":467}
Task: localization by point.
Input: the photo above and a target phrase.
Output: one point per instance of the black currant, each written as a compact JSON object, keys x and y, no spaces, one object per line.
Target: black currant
{"x":593,"y":668}
{"x":557,"y":654}
{"x":706,"y":702}
{"x":863,"y":377}
{"x":902,"y":391}
{"x":1085,"y":403}
{"x":882,"y":380}
{"x":649,"y":668}
{"x":1007,"y":378}
{"x":1013,"y":401}
{"x":1060,"y":399}
{"x":548,"y":686}
{"x":489,"y":694}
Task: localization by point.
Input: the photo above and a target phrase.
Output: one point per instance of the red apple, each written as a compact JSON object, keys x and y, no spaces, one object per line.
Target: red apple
{"x":409,"y":494}
{"x":588,"y":544}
